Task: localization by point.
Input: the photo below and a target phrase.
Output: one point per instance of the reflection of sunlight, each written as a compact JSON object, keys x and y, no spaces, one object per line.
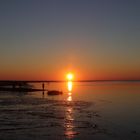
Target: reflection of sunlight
{"x":69,"y":89}
{"x":69,"y":93}
{"x":69,"y":98}
{"x":69,"y":126}
{"x":69,"y":85}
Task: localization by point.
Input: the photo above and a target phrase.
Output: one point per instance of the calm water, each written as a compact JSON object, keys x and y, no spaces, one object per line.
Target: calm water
{"x":103,"y":110}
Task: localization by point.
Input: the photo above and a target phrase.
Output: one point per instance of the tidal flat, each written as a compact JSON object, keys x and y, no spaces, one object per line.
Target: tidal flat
{"x":37,"y":116}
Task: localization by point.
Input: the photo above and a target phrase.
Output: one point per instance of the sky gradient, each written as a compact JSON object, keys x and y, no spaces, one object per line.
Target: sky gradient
{"x":45,"y":39}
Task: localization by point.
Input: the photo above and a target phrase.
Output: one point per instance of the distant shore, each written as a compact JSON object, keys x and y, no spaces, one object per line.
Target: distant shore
{"x":51,"y":81}
{"x":20,"y":89}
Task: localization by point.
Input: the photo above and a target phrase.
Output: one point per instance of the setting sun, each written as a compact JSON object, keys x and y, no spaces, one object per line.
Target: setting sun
{"x":70,"y":76}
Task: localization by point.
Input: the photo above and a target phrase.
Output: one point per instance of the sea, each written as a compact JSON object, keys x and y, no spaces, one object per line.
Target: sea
{"x":84,"y":111}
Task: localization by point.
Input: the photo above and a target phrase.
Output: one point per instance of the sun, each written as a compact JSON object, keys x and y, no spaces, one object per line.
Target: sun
{"x":70,"y":76}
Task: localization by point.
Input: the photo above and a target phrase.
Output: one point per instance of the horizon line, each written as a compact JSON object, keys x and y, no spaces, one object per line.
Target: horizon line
{"x":87,"y":80}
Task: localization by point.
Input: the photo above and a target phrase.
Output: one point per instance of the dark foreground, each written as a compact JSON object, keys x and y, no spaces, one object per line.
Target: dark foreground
{"x":27,"y":118}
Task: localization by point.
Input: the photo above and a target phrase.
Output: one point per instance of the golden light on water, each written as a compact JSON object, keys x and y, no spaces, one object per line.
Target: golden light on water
{"x":69,"y":85}
{"x":69,"y":93}
{"x":69,"y":98}
{"x":69,"y":113}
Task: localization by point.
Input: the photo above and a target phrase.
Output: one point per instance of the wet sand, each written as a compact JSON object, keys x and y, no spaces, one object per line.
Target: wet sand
{"x":28,"y":118}
{"x":23,"y":117}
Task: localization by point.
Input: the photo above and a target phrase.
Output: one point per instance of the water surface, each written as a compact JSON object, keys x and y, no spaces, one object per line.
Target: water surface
{"x":92,"y":110}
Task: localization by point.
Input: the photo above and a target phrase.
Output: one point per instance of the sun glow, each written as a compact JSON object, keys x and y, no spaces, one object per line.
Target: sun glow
{"x":70,"y":76}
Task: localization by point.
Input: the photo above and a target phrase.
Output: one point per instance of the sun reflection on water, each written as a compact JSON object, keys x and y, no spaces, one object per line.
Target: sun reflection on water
{"x":69,"y":98}
{"x":69,"y":85}
{"x":69,"y":123}
{"x":69,"y":93}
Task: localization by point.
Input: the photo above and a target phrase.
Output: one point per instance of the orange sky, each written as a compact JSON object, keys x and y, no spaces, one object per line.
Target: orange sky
{"x":79,"y":74}
{"x":95,"y":40}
